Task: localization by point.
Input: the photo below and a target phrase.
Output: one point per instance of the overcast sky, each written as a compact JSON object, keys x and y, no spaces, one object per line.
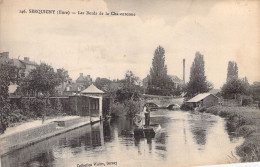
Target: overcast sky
{"x":108,"y":46}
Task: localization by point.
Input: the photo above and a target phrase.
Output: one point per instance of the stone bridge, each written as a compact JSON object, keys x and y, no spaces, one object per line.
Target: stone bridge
{"x":161,"y":101}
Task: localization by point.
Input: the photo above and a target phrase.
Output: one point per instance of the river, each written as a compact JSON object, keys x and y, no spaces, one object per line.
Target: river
{"x":186,"y":139}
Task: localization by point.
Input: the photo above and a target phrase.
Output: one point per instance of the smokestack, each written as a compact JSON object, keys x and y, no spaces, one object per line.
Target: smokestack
{"x":183,"y":71}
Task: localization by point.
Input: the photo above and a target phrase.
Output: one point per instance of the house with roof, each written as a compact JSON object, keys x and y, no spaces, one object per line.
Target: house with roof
{"x":25,"y":65}
{"x":71,"y":89}
{"x":203,"y":100}
{"x":88,"y":102}
{"x":28,"y":65}
{"x":84,"y":80}
{"x":176,"y":80}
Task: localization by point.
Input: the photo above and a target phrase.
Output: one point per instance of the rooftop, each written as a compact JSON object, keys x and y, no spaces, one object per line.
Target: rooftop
{"x":92,"y":89}
{"x":199,"y":97}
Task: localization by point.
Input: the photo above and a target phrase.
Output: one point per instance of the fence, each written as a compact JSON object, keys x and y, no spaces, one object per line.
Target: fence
{"x":231,"y":102}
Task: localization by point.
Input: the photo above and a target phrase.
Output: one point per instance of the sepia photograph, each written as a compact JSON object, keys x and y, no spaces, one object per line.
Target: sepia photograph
{"x":133,"y":83}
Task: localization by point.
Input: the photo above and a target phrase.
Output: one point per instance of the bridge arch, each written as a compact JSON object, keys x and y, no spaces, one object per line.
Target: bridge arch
{"x":151,"y":104}
{"x":173,"y":106}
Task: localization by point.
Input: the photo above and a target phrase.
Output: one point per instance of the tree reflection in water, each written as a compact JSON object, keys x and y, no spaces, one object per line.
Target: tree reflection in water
{"x":199,"y":126}
{"x":182,"y":136}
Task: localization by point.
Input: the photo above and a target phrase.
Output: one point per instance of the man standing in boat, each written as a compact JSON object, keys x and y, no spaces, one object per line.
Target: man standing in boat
{"x":147,"y":116}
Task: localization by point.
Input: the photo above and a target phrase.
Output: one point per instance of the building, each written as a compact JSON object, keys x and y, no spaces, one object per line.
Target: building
{"x":24,"y":65}
{"x":203,"y":100}
{"x":28,"y":65}
{"x":71,"y":89}
{"x":4,"y":57}
{"x":64,"y":86}
{"x":84,"y":80}
{"x":88,"y":102}
{"x":176,"y":80}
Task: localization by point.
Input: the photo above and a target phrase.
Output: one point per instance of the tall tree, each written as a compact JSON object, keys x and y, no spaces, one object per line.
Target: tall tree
{"x":198,"y":81}
{"x":158,"y":72}
{"x":232,"y":71}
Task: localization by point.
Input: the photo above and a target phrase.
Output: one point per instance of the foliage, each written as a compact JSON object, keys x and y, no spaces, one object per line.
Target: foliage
{"x":8,"y":75}
{"x":117,"y":109}
{"x":245,"y":121}
{"x":158,"y":72}
{"x":235,"y":86}
{"x":255,"y":88}
{"x":198,"y":82}
{"x":41,"y":80}
{"x":103,"y":83}
{"x":87,"y":81}
{"x":186,"y":107}
{"x":58,"y":106}
{"x":159,"y":83}
{"x":37,"y":107}
{"x":247,"y":101}
{"x":128,"y":107}
{"x":130,"y":89}
{"x":232,"y":71}
{"x":62,"y":76}
{"x":4,"y":115}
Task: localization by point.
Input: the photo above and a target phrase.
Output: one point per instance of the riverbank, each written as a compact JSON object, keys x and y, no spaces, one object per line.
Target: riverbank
{"x":32,"y":132}
{"x":245,"y":121}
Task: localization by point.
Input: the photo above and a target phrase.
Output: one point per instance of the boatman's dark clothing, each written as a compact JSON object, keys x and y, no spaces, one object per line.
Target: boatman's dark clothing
{"x":147,"y":118}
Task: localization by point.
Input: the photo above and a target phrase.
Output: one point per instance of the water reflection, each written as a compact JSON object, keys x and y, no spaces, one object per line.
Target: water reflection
{"x":199,"y":138}
{"x":200,"y":124}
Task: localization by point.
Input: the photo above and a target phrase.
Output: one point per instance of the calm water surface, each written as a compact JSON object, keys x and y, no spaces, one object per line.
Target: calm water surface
{"x":186,"y":139}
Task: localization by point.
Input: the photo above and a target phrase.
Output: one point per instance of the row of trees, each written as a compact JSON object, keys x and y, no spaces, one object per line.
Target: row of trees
{"x":160,"y":83}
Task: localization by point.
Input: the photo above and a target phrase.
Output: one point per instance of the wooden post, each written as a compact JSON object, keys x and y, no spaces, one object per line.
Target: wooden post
{"x":76,"y":102}
{"x":89,"y":109}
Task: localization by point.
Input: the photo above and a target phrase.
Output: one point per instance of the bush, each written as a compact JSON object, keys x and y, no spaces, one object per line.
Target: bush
{"x":249,"y":151}
{"x":202,"y":109}
{"x":4,"y":116}
{"x":33,"y":107}
{"x":246,"y":130}
{"x":117,"y":109}
{"x":128,"y":107}
{"x":186,"y":107}
{"x":132,"y":107}
{"x":17,"y":116}
{"x":247,"y":101}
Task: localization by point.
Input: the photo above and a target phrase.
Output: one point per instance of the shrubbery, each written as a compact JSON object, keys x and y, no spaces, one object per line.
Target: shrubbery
{"x":128,"y":107}
{"x":186,"y":107}
{"x":247,"y":101}
{"x":245,"y":122}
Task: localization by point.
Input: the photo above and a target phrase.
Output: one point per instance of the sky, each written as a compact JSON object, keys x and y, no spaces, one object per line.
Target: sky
{"x":108,"y":46}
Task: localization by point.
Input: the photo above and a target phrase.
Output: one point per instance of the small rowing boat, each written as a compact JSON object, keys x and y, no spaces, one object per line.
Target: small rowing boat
{"x":147,"y":130}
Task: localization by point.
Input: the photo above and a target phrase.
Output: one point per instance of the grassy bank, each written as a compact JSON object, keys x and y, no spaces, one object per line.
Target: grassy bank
{"x":245,"y":121}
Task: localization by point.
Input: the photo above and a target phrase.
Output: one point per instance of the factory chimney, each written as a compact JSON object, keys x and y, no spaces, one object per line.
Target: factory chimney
{"x":184,"y":71}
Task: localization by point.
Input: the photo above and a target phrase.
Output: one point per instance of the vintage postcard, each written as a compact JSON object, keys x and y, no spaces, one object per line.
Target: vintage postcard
{"x":138,"y":83}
